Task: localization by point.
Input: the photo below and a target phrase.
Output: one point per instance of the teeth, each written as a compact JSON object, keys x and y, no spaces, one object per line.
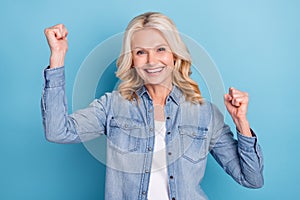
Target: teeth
{"x":154,"y":70}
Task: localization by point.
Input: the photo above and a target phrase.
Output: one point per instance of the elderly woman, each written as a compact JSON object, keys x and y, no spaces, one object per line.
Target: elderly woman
{"x":159,"y":130}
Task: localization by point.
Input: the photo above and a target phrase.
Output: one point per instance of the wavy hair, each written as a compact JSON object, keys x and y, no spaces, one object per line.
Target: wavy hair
{"x":131,"y":81}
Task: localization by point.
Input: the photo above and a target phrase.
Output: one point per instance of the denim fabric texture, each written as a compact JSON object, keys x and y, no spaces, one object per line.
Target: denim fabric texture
{"x":192,"y":131}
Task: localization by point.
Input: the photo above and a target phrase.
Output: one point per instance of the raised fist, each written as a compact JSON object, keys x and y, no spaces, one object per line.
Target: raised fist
{"x":58,"y":43}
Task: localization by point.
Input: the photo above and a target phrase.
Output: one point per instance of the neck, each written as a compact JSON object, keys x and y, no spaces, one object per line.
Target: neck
{"x":158,"y":93}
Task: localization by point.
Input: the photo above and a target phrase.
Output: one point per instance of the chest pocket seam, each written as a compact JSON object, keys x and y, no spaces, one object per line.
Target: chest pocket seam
{"x":193,"y":142}
{"x":124,"y":134}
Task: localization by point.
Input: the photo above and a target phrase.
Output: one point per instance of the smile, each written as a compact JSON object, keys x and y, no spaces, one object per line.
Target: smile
{"x":156,"y":70}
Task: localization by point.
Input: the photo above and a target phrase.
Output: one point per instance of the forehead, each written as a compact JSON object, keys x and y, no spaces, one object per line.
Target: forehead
{"x":147,"y":38}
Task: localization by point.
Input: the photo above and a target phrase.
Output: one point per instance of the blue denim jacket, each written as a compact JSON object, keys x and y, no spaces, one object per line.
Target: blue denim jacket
{"x":192,"y":131}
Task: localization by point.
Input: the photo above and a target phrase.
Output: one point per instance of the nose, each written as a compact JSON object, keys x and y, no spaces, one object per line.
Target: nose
{"x":152,"y":58}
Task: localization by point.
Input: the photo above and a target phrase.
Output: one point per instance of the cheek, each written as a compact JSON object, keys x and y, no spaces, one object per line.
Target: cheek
{"x":168,"y":59}
{"x":138,"y":61}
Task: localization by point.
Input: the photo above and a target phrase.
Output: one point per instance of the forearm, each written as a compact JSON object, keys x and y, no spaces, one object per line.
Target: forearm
{"x":82,"y":125}
{"x":243,"y":126}
{"x":57,"y":127}
{"x":251,"y":161}
{"x":57,"y":59}
{"x":242,"y":159}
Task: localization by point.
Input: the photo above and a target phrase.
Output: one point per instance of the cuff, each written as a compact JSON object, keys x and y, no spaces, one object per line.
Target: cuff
{"x":247,"y":143}
{"x":54,"y":77}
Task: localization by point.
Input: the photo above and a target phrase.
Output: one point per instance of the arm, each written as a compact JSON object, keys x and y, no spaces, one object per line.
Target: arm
{"x":60,"y":127}
{"x":82,"y":125}
{"x":242,"y":158}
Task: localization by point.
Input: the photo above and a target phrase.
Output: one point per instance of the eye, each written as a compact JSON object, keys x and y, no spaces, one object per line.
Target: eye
{"x":140,"y":52}
{"x":161,"y":49}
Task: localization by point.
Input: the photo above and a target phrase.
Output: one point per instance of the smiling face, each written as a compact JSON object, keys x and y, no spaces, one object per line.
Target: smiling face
{"x":152,"y":57}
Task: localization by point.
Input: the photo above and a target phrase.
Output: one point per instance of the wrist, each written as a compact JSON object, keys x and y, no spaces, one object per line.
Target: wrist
{"x":243,"y":127}
{"x":57,"y":59}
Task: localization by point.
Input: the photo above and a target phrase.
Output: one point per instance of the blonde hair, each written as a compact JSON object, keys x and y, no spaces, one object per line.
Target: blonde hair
{"x":131,"y":81}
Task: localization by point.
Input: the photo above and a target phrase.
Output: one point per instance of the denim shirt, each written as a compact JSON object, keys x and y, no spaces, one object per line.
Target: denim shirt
{"x":192,"y":131}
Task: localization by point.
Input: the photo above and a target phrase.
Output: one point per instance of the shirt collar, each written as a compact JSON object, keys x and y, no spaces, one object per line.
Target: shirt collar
{"x":175,"y":95}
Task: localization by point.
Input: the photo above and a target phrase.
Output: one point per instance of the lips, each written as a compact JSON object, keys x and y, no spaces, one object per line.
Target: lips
{"x":156,"y":70}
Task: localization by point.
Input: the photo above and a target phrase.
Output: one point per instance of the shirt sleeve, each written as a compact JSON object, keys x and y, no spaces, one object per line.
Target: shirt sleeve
{"x":59,"y":126}
{"x":241,"y":158}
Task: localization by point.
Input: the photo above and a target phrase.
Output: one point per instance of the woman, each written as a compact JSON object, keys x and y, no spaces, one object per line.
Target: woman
{"x":158,"y":127}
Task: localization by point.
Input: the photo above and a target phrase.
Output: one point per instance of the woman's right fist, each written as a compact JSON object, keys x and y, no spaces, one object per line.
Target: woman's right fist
{"x":58,"y":43}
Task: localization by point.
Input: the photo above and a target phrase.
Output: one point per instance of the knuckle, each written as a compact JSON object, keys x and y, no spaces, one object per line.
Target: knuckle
{"x":47,"y":30}
{"x":61,"y":26}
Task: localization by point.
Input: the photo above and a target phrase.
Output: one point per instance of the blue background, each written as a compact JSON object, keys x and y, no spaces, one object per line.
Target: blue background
{"x":255,"y":45}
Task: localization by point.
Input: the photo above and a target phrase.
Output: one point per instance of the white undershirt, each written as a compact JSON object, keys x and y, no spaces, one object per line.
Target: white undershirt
{"x":158,"y":184}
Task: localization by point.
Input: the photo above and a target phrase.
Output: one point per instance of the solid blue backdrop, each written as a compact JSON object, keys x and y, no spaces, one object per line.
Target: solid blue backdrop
{"x":254,"y":44}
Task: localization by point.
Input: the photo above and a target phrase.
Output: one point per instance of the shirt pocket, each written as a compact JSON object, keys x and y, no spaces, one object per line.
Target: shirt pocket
{"x":193,"y":141}
{"x":124,"y":134}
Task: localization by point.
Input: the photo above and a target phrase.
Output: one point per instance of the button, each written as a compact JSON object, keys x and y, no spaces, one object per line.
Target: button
{"x":144,"y":193}
{"x":126,"y":125}
{"x":149,"y":148}
{"x":169,"y":133}
{"x":170,"y":153}
{"x":168,"y":117}
{"x":150,"y":111}
{"x":171,"y":177}
{"x":173,"y":198}
{"x":146,"y":171}
{"x":151,"y":129}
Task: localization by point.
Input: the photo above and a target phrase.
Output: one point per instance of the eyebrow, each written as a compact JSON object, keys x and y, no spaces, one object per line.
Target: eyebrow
{"x":163,"y":44}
